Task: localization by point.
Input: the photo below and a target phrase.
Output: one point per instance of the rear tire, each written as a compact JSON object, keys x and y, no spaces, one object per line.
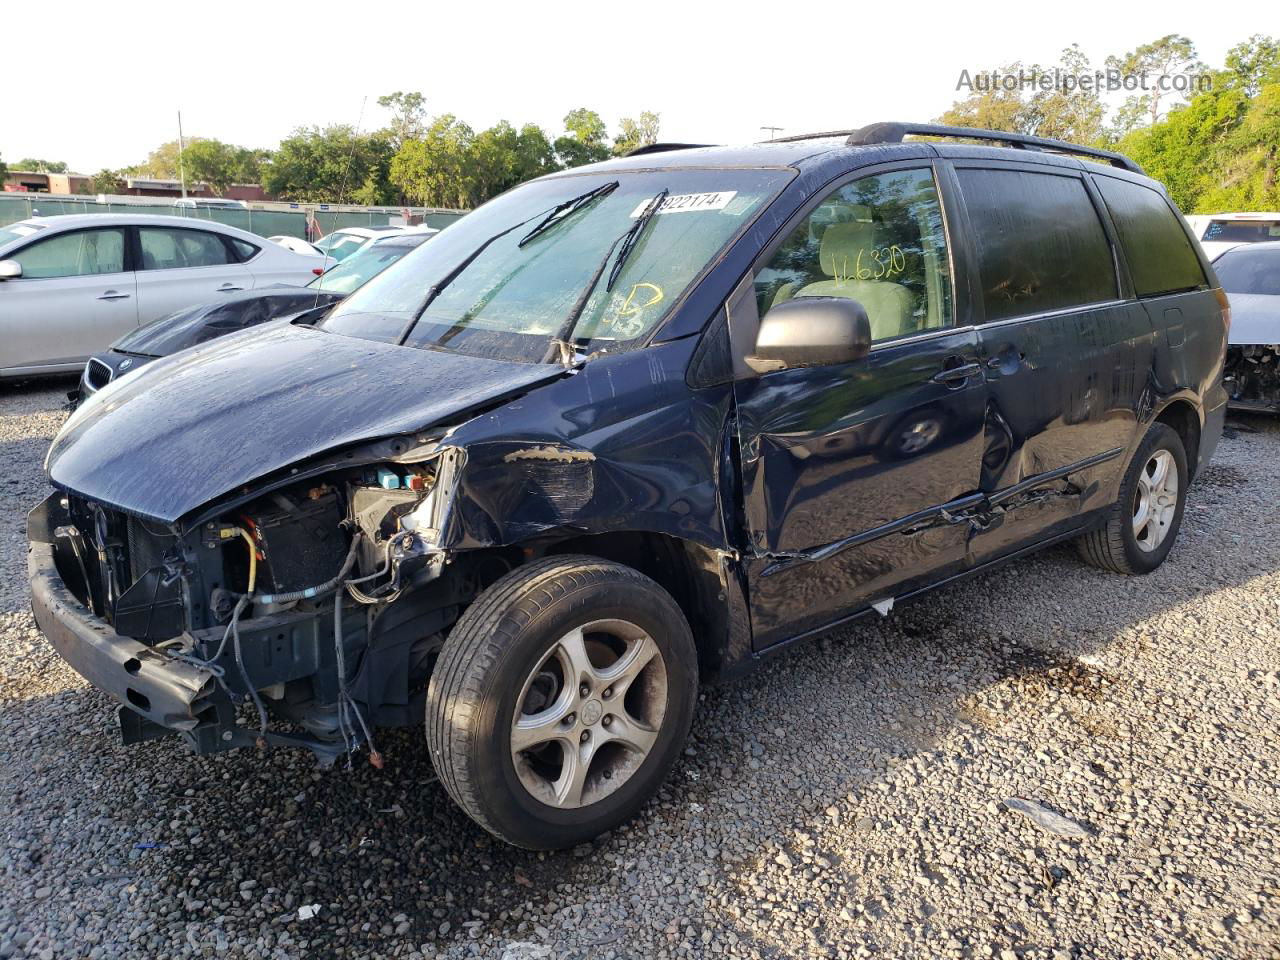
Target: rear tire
{"x":561,"y":700}
{"x":1143,"y":523}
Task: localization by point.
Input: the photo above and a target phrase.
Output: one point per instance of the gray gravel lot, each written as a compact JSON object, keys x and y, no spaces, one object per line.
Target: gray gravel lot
{"x":846,"y":800}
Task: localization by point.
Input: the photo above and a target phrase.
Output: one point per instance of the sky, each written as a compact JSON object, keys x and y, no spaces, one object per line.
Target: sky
{"x":249,"y":73}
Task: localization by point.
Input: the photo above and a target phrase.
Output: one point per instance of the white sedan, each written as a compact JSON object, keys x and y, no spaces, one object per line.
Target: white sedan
{"x":72,"y":285}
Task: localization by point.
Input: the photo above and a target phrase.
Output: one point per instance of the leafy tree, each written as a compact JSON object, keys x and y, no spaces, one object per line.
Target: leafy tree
{"x":205,"y":160}
{"x":105,"y":181}
{"x":408,"y":116}
{"x":328,"y":165}
{"x":1170,"y":56}
{"x":1252,"y":64}
{"x":1248,"y":173}
{"x":1074,"y":115}
{"x":994,"y":106}
{"x":584,"y":140}
{"x":435,"y":170}
{"x":40,"y":166}
{"x":4,"y":167}
{"x":636,"y":133}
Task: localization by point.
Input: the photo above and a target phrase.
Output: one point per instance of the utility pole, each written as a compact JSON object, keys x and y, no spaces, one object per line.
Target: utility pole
{"x":182,"y":172}
{"x":772,"y":131}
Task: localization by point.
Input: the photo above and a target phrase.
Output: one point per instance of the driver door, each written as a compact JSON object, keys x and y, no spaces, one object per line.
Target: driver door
{"x":856,"y":476}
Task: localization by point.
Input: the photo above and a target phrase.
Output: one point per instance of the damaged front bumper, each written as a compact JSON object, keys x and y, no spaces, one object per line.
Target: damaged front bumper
{"x":1251,"y":377}
{"x":159,"y":693}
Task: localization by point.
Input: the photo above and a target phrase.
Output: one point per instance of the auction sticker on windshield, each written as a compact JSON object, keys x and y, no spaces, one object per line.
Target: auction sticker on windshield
{"x":689,"y":202}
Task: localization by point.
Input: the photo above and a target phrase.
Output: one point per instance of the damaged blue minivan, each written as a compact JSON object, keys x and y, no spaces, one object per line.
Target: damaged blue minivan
{"x":625,"y":429}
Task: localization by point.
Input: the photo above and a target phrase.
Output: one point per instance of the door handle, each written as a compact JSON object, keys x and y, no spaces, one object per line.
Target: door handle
{"x":229,"y":288}
{"x":953,"y":376}
{"x":114,"y":295}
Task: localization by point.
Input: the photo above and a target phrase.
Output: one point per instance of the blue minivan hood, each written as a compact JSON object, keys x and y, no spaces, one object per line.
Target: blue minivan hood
{"x":186,"y":429}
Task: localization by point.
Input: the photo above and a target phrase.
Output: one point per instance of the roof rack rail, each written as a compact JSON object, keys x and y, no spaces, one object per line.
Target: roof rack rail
{"x":893,"y":132}
{"x":663,"y":148}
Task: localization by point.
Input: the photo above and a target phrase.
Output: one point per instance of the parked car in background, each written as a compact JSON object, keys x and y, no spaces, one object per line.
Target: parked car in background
{"x":1250,"y":273}
{"x":207,"y":321}
{"x":210,"y":203}
{"x":1219,"y":232}
{"x":533,"y":485}
{"x":298,"y":245}
{"x":72,"y":285}
{"x":340,"y":244}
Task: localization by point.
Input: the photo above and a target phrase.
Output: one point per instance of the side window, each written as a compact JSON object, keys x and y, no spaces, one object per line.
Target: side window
{"x":1156,"y":247}
{"x":880,"y":241}
{"x":1039,"y":242}
{"x":244,"y":249}
{"x":80,"y":254}
{"x":167,"y":249}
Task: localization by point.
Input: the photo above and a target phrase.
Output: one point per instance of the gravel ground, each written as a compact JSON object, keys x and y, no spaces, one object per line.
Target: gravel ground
{"x":847,"y":800}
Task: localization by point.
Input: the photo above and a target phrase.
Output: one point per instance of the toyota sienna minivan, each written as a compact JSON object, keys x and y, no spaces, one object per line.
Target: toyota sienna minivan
{"x":625,"y":429}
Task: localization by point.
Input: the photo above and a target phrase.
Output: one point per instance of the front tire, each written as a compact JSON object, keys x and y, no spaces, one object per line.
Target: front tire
{"x":1143,"y":523}
{"x":561,"y":700}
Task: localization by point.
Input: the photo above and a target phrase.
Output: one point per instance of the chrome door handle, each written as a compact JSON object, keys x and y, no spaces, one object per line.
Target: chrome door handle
{"x":229,"y":288}
{"x":955,"y":375}
{"x":114,"y":295}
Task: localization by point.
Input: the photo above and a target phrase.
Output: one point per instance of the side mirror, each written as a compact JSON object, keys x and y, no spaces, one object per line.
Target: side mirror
{"x":811,"y":332}
{"x":10,"y":270}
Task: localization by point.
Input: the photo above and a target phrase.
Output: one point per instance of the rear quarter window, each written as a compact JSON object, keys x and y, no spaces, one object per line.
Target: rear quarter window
{"x":1160,"y":256}
{"x":1040,"y":244}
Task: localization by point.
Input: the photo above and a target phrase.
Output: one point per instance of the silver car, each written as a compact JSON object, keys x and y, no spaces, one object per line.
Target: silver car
{"x":70,"y":286}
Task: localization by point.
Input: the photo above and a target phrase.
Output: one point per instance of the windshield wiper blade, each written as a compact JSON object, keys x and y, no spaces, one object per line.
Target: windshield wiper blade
{"x":632,"y":236}
{"x":437,"y":288}
{"x":567,"y":209}
{"x":560,"y":345}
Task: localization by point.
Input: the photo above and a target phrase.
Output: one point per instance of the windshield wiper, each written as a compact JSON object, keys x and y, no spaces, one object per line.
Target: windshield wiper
{"x":437,"y":288}
{"x":560,"y":345}
{"x":567,"y":209}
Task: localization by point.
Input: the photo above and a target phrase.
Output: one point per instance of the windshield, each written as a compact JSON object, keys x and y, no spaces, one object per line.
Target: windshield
{"x":1242,"y":231}
{"x":1246,"y":270}
{"x":339,"y":246}
{"x":510,"y":300}
{"x":16,"y":231}
{"x":363,"y":266}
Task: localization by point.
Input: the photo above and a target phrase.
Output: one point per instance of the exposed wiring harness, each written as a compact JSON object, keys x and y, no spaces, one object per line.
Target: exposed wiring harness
{"x":346,"y":704}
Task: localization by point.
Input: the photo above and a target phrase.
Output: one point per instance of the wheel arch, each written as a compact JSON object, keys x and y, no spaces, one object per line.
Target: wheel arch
{"x":704,"y":582}
{"x":1184,"y":418}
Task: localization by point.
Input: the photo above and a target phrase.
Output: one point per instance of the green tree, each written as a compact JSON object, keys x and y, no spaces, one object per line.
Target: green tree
{"x":105,"y":181}
{"x":1075,"y":115}
{"x":1170,"y":56}
{"x":435,"y":170}
{"x":585,"y":139}
{"x":1248,"y":174}
{"x":993,"y":105}
{"x":31,"y":165}
{"x":205,"y":160}
{"x":408,"y":116}
{"x":4,"y":168}
{"x":1253,"y":64}
{"x":636,"y":133}
{"x":329,"y":165}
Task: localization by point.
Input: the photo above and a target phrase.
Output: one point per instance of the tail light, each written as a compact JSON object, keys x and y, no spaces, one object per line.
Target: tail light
{"x":317,"y":270}
{"x":1225,"y":306}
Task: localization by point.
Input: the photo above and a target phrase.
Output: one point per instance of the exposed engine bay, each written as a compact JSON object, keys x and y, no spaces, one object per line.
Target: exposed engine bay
{"x":1252,"y":377}
{"x":318,"y":606}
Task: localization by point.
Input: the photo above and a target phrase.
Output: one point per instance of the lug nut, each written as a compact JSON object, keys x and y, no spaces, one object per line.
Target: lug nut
{"x":608,"y":719}
{"x":586,"y":735}
{"x":584,"y":690}
{"x":569,"y":719}
{"x":608,"y":692}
